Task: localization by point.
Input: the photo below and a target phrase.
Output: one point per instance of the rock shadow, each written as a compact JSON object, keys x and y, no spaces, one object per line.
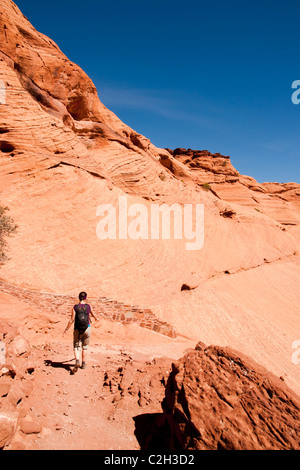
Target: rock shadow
{"x":172,"y":429}
{"x":152,"y":431}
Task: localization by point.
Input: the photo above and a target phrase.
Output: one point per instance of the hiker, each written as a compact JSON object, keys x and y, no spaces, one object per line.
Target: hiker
{"x":81,"y":316}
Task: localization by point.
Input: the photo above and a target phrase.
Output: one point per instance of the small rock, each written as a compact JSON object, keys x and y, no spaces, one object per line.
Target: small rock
{"x":19,"y":346}
{"x":8,"y":370}
{"x":30,"y":427}
{"x":16,"y":394}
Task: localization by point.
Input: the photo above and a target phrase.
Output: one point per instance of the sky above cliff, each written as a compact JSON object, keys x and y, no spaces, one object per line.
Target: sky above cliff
{"x":194,"y":74}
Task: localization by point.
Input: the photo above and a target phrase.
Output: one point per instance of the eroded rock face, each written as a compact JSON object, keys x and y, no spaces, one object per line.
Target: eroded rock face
{"x":216,"y":399}
{"x":59,"y":85}
{"x":211,"y":167}
{"x":57,"y":136}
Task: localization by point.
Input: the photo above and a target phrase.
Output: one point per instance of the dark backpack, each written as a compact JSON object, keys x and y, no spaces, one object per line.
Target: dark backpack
{"x":81,"y":318}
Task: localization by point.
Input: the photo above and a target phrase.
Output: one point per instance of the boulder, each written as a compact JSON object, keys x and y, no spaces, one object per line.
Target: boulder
{"x":8,"y":424}
{"x":19,"y":346}
{"x":29,"y":426}
{"x":216,"y":399}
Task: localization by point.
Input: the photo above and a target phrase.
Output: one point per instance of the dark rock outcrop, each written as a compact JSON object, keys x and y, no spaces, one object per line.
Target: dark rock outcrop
{"x":216,"y":399}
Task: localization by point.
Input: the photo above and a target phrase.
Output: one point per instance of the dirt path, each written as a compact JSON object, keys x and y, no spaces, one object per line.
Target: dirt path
{"x":93,"y":409}
{"x":75,"y":411}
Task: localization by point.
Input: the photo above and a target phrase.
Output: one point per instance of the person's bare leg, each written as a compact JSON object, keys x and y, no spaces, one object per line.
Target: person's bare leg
{"x":84,"y":355}
{"x":77,"y":363}
{"x":76,"y":346}
{"x":77,"y":354}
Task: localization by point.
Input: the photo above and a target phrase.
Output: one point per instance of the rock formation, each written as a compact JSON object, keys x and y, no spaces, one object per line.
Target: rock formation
{"x":212,"y":398}
{"x":218,"y":400}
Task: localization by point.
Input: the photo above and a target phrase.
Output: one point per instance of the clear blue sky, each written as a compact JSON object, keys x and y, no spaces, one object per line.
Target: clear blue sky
{"x":213,"y":75}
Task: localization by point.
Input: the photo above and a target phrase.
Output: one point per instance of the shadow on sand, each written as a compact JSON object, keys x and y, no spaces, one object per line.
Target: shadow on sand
{"x":61,"y":365}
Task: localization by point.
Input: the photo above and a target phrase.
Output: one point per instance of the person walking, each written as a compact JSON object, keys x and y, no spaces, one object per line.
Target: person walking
{"x":81,"y":317}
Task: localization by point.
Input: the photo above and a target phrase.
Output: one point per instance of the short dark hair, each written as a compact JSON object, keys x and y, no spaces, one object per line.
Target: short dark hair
{"x":82,"y":295}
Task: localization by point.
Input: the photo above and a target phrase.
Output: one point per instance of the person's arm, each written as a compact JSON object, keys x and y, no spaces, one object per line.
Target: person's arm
{"x":93,"y":315}
{"x":71,"y":321}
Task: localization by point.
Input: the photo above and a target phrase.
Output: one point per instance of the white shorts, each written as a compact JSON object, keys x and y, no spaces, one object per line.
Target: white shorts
{"x":82,"y":340}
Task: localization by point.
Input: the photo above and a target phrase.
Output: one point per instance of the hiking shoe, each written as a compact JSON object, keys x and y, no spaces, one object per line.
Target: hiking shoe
{"x":76,"y":367}
{"x":83,"y":365}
